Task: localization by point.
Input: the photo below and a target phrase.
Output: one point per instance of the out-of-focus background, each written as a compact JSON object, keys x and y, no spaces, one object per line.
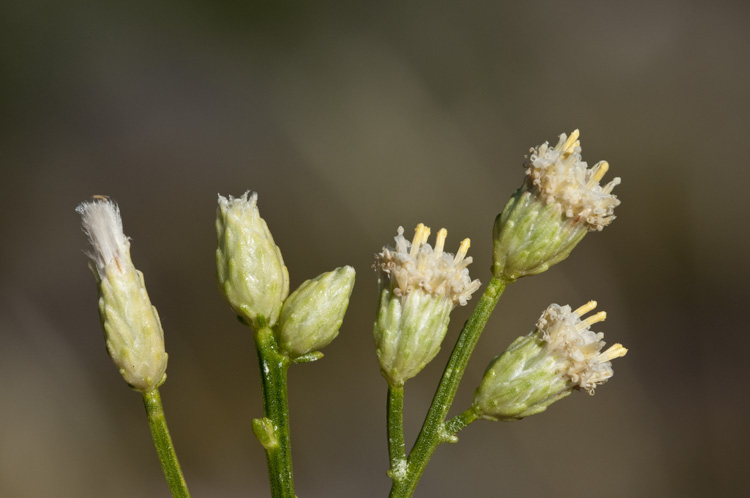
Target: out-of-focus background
{"x":351,"y":119}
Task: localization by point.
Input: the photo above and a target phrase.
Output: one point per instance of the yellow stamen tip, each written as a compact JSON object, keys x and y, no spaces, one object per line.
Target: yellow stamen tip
{"x":572,"y":141}
{"x":585,"y":308}
{"x":599,"y":317}
{"x":615,"y":351}
{"x":440,"y":242}
{"x":420,"y":237}
{"x":462,"y":250}
{"x":600,"y":171}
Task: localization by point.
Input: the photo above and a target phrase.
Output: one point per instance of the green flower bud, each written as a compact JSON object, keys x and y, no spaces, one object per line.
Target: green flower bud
{"x":312,"y":314}
{"x":133,"y":333}
{"x":419,"y":287}
{"x":559,"y":202}
{"x":250,"y":269}
{"x":560,"y":355}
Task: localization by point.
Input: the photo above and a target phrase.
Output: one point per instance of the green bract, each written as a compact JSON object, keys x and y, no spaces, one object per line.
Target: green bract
{"x":530,"y":235}
{"x":520,"y":382}
{"x":250,"y":269}
{"x":408,"y":332}
{"x":312,"y":315}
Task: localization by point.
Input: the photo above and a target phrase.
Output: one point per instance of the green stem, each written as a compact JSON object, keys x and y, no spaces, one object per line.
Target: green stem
{"x":457,"y":423}
{"x":396,"y":450}
{"x":273,"y":372}
{"x":163,"y":442}
{"x":434,"y":430}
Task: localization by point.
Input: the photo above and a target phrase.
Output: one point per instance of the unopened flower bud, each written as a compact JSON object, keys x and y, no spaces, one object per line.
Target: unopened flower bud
{"x":134,"y":337}
{"x":559,"y":202}
{"x":560,"y":355}
{"x":250,"y":269}
{"x":419,"y":287}
{"x":312,"y":315}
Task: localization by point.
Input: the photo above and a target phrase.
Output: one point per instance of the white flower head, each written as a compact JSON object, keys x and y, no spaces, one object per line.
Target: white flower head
{"x":565,"y":180}
{"x":578,"y":348}
{"x":416,"y":265}
{"x":419,"y":287}
{"x":561,"y":354}
{"x":133,"y":332}
{"x":559,"y":202}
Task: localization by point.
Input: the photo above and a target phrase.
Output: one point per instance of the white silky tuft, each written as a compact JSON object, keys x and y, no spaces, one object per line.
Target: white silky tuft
{"x":103,"y":225}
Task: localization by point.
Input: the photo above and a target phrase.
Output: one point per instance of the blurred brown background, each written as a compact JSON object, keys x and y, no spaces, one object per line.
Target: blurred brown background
{"x":351,"y":119}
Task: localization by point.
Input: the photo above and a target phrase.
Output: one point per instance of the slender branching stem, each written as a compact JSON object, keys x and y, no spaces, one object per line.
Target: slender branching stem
{"x":454,"y":425}
{"x":163,"y":443}
{"x":396,"y":450}
{"x":273,"y":371}
{"x":435,"y":430}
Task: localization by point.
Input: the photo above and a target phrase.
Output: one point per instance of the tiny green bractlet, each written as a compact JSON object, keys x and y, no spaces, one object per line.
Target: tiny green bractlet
{"x":560,"y":200}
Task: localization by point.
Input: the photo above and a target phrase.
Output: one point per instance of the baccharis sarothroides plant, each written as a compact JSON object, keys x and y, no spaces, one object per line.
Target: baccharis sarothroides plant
{"x":560,"y":200}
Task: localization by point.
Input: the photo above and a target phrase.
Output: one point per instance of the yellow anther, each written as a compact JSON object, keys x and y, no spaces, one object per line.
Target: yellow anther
{"x":569,"y":152}
{"x":585,"y":308}
{"x":425,"y":235}
{"x":571,"y":142}
{"x":440,"y":242}
{"x":421,"y":233}
{"x":599,"y":317}
{"x":598,"y":172}
{"x":615,"y":351}
{"x":462,"y":250}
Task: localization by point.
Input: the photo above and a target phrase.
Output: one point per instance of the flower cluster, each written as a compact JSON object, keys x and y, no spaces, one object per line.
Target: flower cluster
{"x":561,"y":354}
{"x":416,"y":265}
{"x":562,"y":178}
{"x":420,"y":286}
{"x":578,"y":350}
{"x":559,"y":201}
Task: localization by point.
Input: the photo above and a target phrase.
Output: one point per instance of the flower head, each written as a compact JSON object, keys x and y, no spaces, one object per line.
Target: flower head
{"x":561,"y":354}
{"x":577,"y":348}
{"x":419,"y":287}
{"x":249,"y":266}
{"x":416,"y":265}
{"x":134,"y":337}
{"x":559,"y":201}
{"x":562,"y":178}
